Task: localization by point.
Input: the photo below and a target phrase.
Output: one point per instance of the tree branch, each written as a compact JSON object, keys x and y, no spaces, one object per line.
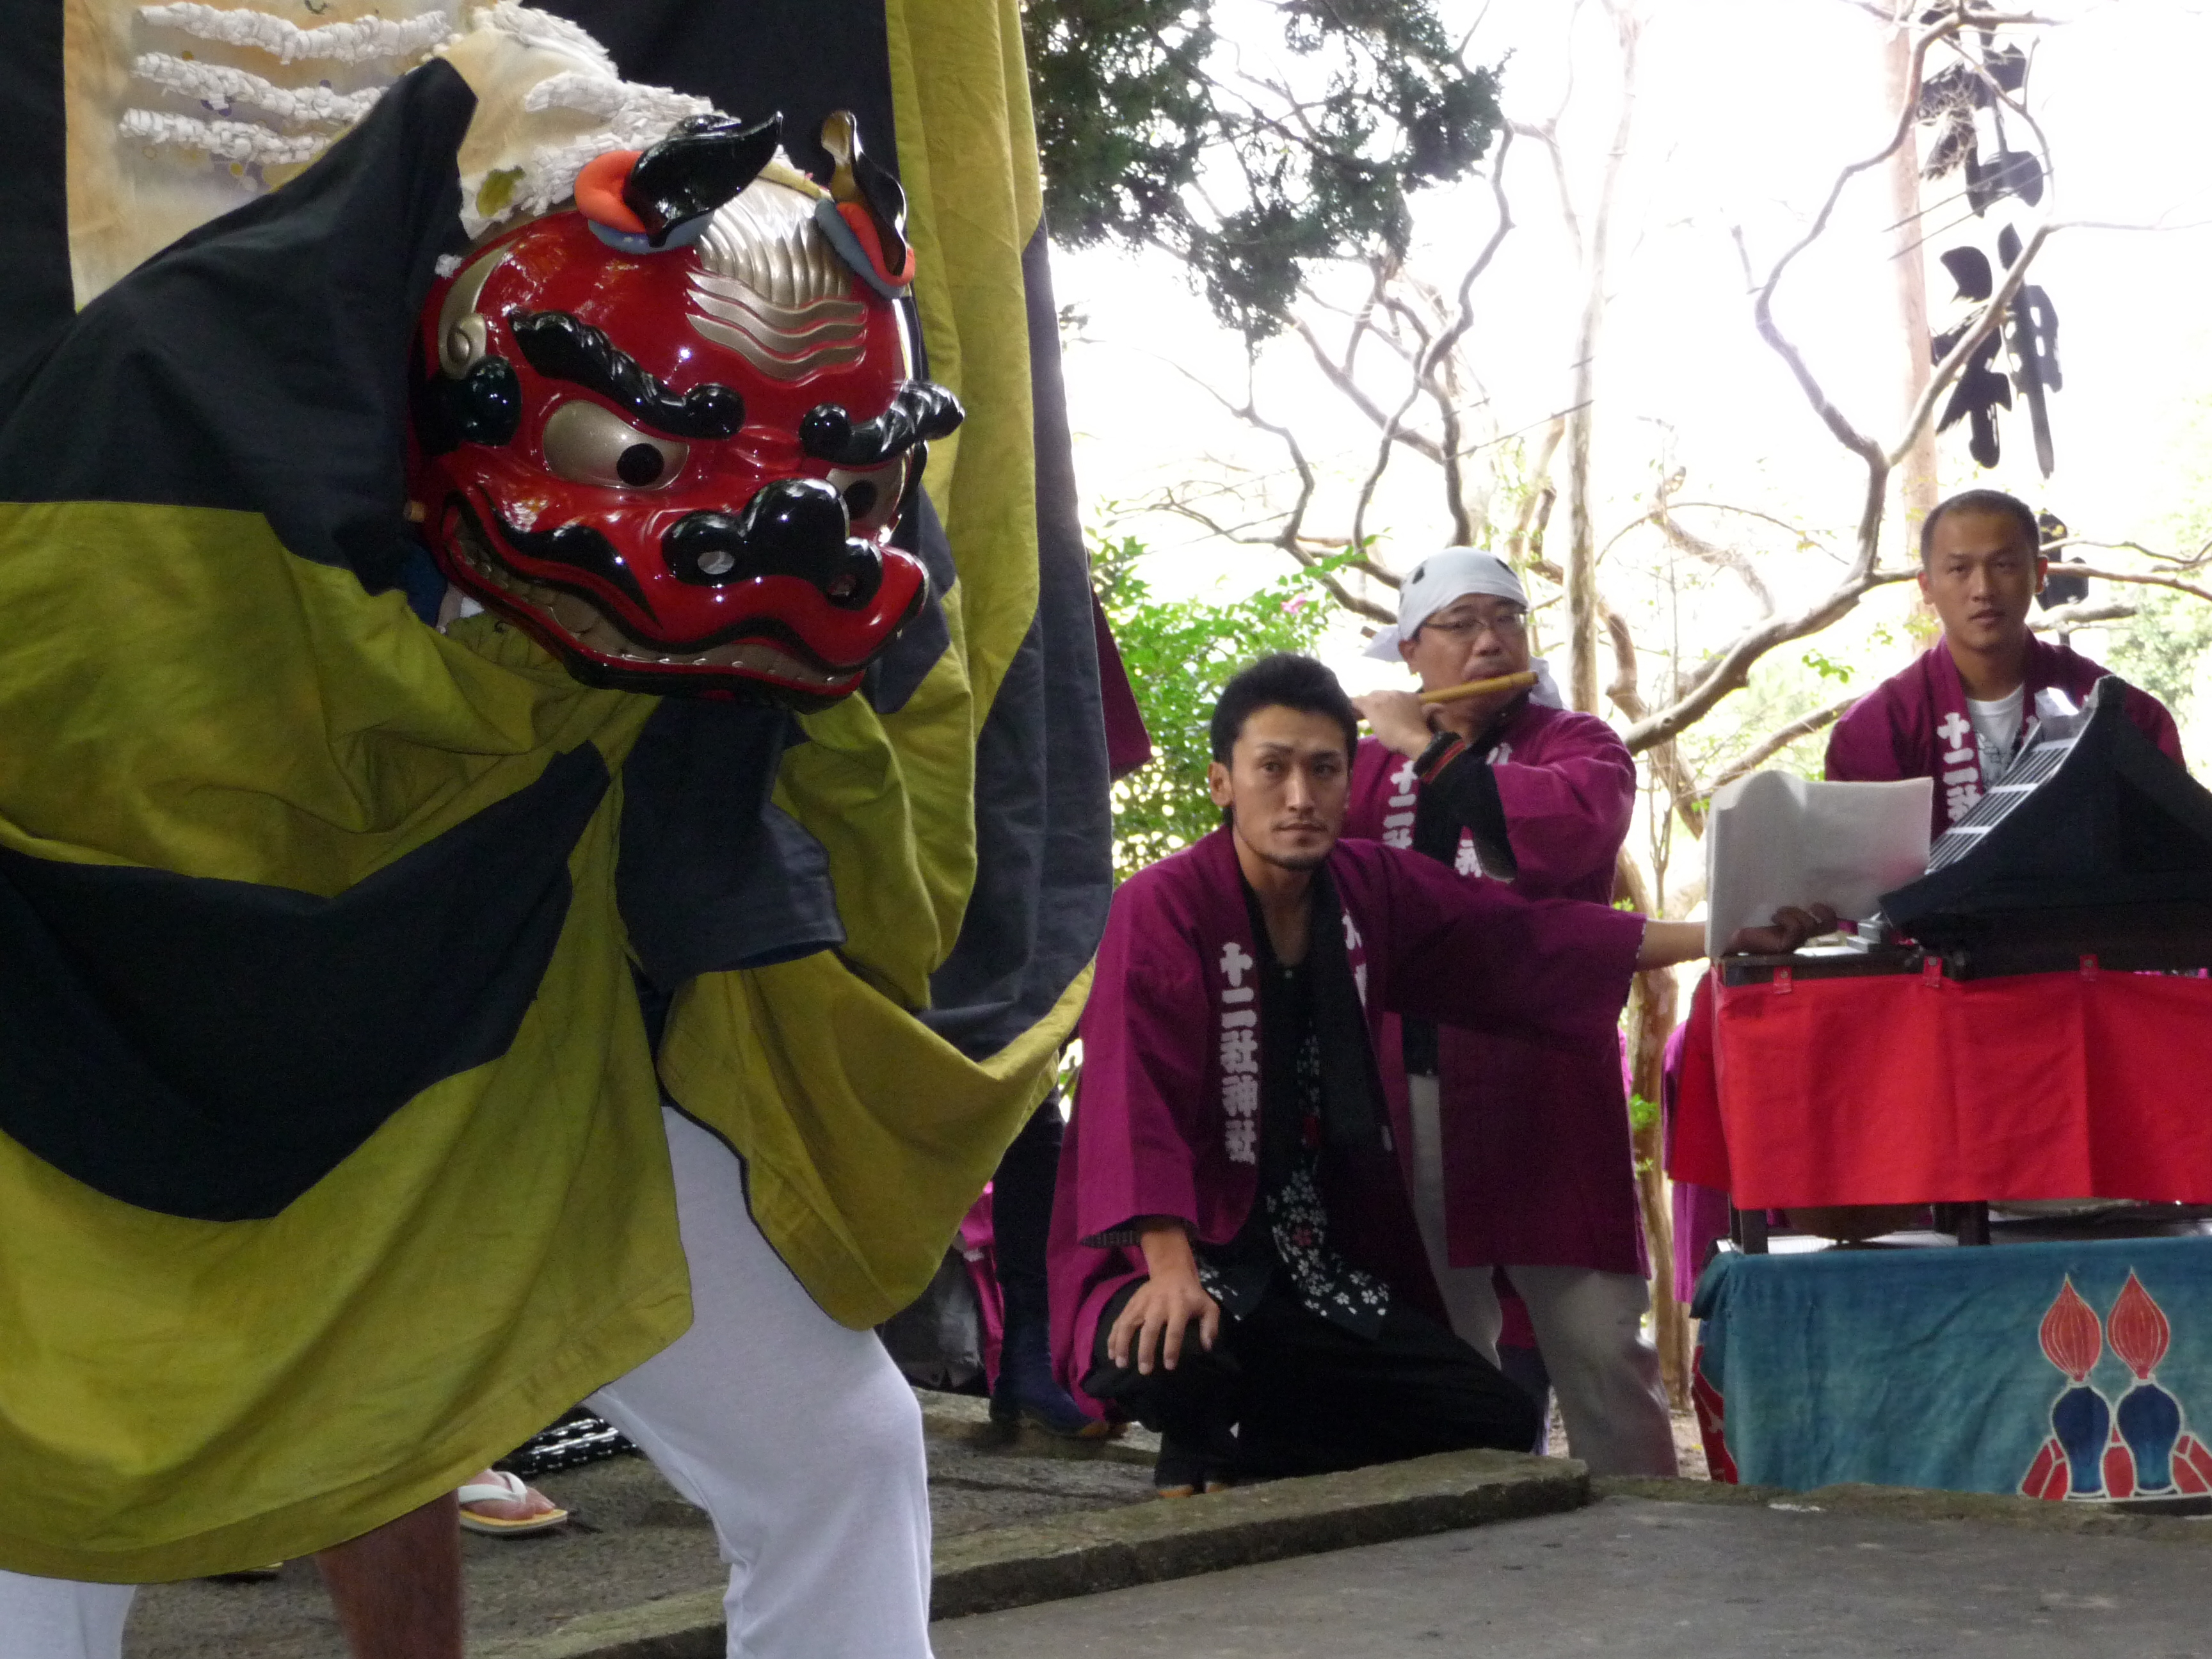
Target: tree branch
{"x":1340,"y":378}
{"x":2062,"y":618}
{"x":2174,"y":559}
{"x":1805,"y":537}
{"x":1334,"y":587}
{"x":1666,"y":757}
{"x":1373,"y":481}
{"x":1709,"y":553}
{"x":1290,"y":535}
{"x":1582,"y":551}
{"x":1526,"y":542}
{"x":1763,"y":304}
{"x":1447,"y":345}
{"x":1547,"y":133}
{"x":1731,"y":669}
{"x":1767,"y":750}
{"x":2141,"y":577}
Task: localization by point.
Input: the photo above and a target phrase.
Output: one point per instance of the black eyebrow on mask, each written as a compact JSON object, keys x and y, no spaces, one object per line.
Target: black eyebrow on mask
{"x":919,"y":412}
{"x":562,"y":346}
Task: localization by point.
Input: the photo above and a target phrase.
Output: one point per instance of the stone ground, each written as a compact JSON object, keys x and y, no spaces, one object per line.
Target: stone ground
{"x":1655,"y":1580}
{"x":633,"y":1539}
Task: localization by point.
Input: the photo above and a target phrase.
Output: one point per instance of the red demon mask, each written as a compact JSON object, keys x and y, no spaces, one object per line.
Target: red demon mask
{"x":670,"y":431}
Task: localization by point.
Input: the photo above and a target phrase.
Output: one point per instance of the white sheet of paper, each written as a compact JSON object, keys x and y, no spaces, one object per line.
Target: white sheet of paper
{"x":1774,"y":839}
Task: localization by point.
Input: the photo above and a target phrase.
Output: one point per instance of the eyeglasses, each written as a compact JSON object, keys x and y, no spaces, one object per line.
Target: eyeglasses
{"x":1505,"y":624}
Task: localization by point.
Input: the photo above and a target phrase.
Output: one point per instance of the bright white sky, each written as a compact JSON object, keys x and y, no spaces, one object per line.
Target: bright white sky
{"x":1746,"y":108}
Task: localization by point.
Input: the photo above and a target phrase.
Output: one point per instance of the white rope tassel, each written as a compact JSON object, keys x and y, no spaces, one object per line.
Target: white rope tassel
{"x":635,"y":117}
{"x":531,"y":27}
{"x":639,"y":113}
{"x":358,"y":42}
{"x":548,"y":179}
{"x":234,"y":141}
{"x":221,"y":87}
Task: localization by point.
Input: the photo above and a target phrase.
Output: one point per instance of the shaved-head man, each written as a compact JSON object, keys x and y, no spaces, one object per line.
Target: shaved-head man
{"x":1970,"y":703}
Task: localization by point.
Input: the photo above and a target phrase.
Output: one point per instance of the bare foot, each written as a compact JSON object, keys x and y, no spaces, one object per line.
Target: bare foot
{"x":493,"y":1501}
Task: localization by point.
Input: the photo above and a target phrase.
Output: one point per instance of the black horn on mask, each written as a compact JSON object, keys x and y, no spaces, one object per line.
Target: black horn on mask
{"x":859,"y":177}
{"x":704,"y":161}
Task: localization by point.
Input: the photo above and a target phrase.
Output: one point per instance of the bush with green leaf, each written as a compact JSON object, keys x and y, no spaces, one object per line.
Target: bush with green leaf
{"x":2159,"y":649}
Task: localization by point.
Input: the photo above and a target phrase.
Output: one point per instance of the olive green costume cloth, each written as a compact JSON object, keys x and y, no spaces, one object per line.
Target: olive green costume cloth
{"x":185,"y":692}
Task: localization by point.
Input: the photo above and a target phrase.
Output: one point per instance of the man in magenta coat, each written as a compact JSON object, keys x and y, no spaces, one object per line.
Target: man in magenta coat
{"x":1230,"y":1165}
{"x":1958,"y":714}
{"x":1518,"y":1143}
{"x":1971,"y":701}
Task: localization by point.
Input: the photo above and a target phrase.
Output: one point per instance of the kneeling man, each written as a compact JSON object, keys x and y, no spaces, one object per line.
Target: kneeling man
{"x":1229,"y":1163}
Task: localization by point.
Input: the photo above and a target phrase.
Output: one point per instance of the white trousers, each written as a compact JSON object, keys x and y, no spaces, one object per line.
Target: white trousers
{"x":797,"y":1436}
{"x":58,"y":1618}
{"x":1589,"y":1326}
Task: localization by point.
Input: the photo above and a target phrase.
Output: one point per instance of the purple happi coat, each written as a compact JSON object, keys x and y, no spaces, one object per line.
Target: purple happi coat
{"x":1538,"y":1168}
{"x":1166,"y":1114}
{"x":1914,"y":724}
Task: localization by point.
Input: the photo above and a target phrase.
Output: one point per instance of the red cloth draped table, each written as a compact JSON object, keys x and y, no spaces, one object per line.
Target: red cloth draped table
{"x":1914,"y":1088}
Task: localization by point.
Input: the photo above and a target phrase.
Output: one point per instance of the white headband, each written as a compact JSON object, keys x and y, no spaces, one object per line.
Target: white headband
{"x":1435,"y":582}
{"x":1452,"y":575}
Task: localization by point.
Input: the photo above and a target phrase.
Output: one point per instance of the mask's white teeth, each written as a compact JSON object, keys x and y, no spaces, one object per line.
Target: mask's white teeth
{"x":599,"y":634}
{"x":577,"y":615}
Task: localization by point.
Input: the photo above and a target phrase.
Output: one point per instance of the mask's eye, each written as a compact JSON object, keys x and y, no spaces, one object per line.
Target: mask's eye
{"x":594,"y":446}
{"x":873,"y":497}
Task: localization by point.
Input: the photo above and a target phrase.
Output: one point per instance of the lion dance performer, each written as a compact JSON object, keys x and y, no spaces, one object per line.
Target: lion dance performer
{"x":538,"y":858}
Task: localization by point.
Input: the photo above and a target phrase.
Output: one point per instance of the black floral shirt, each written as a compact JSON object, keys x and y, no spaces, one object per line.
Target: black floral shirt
{"x":1288,"y":1235}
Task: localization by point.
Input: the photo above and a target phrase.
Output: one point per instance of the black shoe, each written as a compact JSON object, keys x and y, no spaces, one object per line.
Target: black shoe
{"x":1179,"y":1470}
{"x":1026,"y":1393}
{"x":1184,"y":1471}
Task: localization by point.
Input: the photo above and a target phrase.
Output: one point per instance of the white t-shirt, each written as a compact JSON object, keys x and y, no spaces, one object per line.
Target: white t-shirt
{"x":1996,"y":729}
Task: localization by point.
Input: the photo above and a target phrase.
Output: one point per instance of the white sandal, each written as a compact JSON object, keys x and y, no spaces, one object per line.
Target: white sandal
{"x":503,"y":1488}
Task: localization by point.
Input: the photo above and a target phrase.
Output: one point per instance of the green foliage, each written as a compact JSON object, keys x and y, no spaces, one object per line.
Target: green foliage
{"x":1828,"y":669}
{"x":1180,"y":653}
{"x":1151,"y":133}
{"x":2159,"y":649}
{"x":1780,"y":690}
